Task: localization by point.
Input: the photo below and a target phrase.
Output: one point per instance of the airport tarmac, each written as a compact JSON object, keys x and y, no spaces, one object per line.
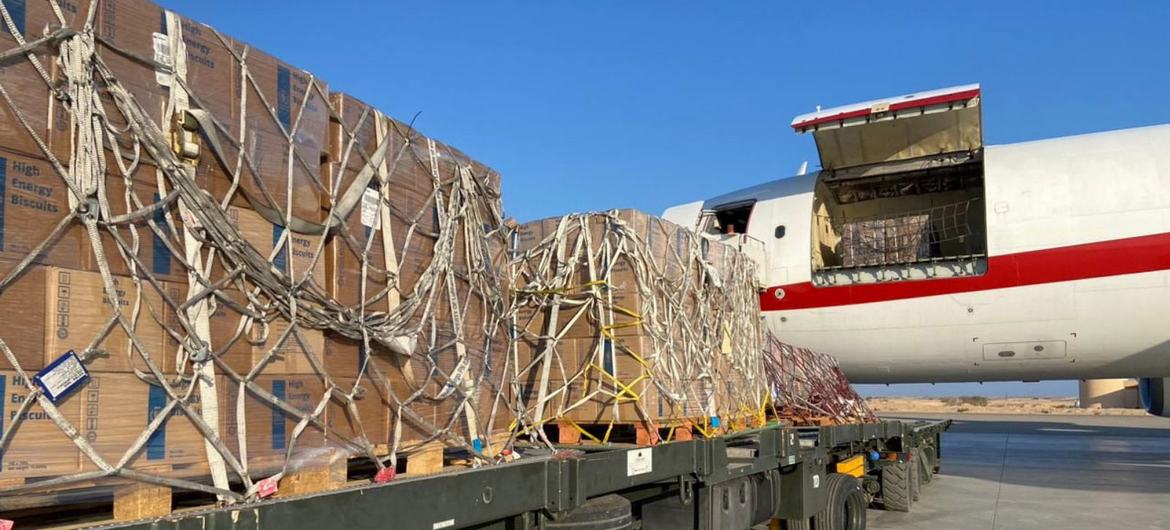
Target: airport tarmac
{"x":1038,"y":471}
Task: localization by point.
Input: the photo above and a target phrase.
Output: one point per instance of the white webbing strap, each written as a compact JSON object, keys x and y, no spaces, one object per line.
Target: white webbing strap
{"x":198,"y":312}
{"x":87,"y":159}
{"x":554,"y":308}
{"x":390,"y":254}
{"x":459,"y":376}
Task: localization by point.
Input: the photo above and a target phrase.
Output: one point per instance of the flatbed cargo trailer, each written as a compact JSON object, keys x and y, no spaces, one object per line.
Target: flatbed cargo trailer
{"x":790,"y":477}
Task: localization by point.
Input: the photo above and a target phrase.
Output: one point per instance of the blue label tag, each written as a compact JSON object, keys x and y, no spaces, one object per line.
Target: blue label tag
{"x":62,"y":376}
{"x":281,"y":258}
{"x":17,"y":9}
{"x":284,"y":97}
{"x":3,"y":414}
{"x":607,"y":358}
{"x":161,"y":253}
{"x":3,"y":196}
{"x":278,"y":431}
{"x":156,"y":446}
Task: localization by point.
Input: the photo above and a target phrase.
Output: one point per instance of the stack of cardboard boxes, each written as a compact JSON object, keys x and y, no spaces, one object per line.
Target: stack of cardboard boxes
{"x":60,"y":304}
{"x":418,"y":179}
{"x":657,"y":352}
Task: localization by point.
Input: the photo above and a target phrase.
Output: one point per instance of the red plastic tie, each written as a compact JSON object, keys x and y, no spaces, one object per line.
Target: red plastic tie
{"x":266,"y":487}
{"x":385,"y":475}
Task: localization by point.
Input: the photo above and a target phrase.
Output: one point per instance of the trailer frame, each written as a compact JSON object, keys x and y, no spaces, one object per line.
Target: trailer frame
{"x":777,"y":471}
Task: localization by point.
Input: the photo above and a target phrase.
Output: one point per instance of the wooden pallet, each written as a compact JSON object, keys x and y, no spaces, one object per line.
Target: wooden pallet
{"x":435,"y":457}
{"x":635,"y":432}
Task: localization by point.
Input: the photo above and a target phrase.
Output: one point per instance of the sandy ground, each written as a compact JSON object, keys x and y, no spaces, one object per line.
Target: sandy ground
{"x":978,"y":405}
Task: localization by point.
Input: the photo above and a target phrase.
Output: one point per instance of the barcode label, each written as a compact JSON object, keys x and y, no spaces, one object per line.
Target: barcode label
{"x":162,"y":56}
{"x":62,"y":376}
{"x":370,"y":215}
{"x":639,"y":462}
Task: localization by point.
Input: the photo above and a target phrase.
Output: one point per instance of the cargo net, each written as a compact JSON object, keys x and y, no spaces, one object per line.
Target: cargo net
{"x":902,"y":238}
{"x":809,"y":388}
{"x":623,"y":318}
{"x":241,"y":352}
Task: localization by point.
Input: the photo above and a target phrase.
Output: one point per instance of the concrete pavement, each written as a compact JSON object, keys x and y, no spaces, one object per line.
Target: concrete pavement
{"x":1063,"y":472}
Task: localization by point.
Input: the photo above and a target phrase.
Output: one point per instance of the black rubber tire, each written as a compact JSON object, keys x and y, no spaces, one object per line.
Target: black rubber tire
{"x":925,"y":464}
{"x":845,"y":504}
{"x":935,"y":461}
{"x":795,"y":524}
{"x":610,"y":512}
{"x":896,"y":483}
{"x":915,"y":474}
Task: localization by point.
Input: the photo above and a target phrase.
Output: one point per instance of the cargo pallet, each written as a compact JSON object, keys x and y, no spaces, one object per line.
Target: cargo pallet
{"x":819,"y":477}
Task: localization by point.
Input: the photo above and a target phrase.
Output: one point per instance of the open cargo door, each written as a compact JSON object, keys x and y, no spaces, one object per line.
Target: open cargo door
{"x":900,"y":194}
{"x":903,"y":133}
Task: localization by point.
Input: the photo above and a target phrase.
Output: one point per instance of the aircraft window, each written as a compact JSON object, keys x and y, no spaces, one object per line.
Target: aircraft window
{"x":779,"y":231}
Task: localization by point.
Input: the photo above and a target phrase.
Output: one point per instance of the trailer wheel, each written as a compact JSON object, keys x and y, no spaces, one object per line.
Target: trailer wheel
{"x":896,"y":483}
{"x":925,"y":464}
{"x":845,"y":504}
{"x":797,"y":524}
{"x":931,"y":453}
{"x":915,"y":474}
{"x":610,"y":512}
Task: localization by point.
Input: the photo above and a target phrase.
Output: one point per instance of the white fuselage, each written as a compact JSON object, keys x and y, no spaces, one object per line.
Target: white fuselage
{"x":1076,"y":286}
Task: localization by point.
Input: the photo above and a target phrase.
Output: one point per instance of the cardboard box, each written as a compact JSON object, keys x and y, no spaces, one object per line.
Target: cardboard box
{"x":54,"y":310}
{"x":33,"y":200}
{"x":139,"y":27}
{"x":242,"y":348}
{"x":79,"y":310}
{"x":633,"y":375}
{"x":20,"y":78}
{"x":38,"y":447}
{"x":280,"y":99}
{"x":24,"y":304}
{"x":36,"y":198}
{"x":373,"y":413}
{"x":137,"y":31}
{"x":344,"y":266}
{"x":297,"y":256}
{"x":563,"y":400}
{"x":478,"y":373}
{"x":410,"y":184}
{"x":619,"y":285}
{"x":292,"y":354}
{"x":393,"y":380}
{"x":154,"y":254}
{"x":117,"y":408}
{"x":269,"y":429}
{"x":132,"y":34}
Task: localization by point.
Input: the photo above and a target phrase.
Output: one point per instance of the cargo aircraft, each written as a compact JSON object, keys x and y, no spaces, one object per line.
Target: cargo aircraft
{"x":919,"y":254}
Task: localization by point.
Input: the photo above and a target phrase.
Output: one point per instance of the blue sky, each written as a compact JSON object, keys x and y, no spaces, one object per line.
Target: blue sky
{"x":603,"y":104}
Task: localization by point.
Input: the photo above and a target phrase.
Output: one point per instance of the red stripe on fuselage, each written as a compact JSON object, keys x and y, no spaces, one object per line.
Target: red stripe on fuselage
{"x":1077,"y":262}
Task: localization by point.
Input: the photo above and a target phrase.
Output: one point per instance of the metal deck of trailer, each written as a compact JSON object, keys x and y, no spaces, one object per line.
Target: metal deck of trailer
{"x":774,"y":471}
